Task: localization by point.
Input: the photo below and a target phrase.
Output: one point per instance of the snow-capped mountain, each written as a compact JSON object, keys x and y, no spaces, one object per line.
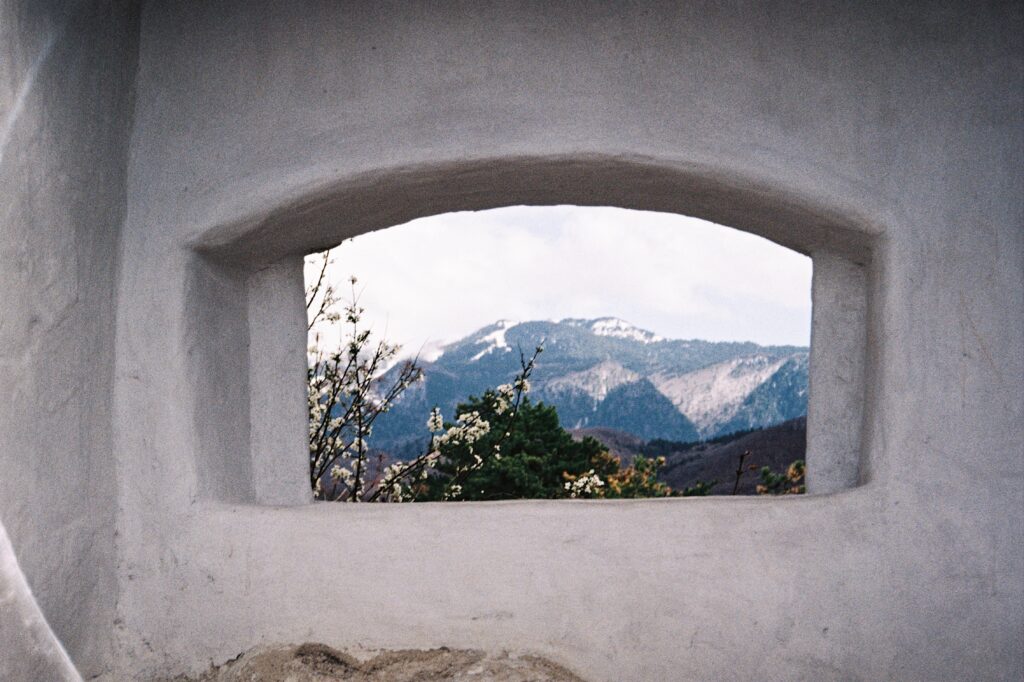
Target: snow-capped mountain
{"x":609,"y":373}
{"x":613,"y":326}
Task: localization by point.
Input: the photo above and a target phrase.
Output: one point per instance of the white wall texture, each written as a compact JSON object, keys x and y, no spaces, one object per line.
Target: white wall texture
{"x":66,"y":73}
{"x":889,"y":136}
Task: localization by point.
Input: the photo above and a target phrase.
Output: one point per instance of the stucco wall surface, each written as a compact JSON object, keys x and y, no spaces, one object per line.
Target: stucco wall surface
{"x":65,"y":75}
{"x":275,"y":128}
{"x":888,"y":136}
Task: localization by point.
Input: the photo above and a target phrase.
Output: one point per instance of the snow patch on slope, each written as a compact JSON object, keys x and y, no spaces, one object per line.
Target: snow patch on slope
{"x":595,"y":382}
{"x":494,"y":339}
{"x":713,"y":395}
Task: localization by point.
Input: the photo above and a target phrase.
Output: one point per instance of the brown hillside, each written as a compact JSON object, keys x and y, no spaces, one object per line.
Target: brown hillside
{"x":776,"y":447}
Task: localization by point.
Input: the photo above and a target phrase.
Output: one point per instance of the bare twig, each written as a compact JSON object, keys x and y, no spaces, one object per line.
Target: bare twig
{"x":739,"y":472}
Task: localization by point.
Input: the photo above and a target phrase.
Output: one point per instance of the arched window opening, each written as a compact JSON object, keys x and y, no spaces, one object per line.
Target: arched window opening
{"x":557,"y":352}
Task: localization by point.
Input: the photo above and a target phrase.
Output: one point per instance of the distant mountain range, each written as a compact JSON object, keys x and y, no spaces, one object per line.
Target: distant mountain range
{"x":608,"y":373}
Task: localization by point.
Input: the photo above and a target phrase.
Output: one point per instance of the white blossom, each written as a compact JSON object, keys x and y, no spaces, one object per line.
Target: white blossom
{"x":586,"y":484}
{"x":503,"y":396}
{"x":436,"y":422}
{"x":343,"y":475}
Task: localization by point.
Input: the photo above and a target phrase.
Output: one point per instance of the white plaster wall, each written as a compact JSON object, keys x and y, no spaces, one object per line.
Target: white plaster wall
{"x":861,"y":130}
{"x":907,"y":119}
{"x":65,"y":75}
{"x":278,"y":388}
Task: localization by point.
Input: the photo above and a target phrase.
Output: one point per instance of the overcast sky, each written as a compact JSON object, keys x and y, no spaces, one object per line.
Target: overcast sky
{"x":436,"y":279}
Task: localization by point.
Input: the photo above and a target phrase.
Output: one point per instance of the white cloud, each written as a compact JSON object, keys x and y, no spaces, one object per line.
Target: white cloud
{"x":436,"y":279}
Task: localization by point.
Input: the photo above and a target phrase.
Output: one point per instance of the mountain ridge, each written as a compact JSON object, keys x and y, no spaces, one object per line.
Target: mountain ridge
{"x":607,"y":372}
